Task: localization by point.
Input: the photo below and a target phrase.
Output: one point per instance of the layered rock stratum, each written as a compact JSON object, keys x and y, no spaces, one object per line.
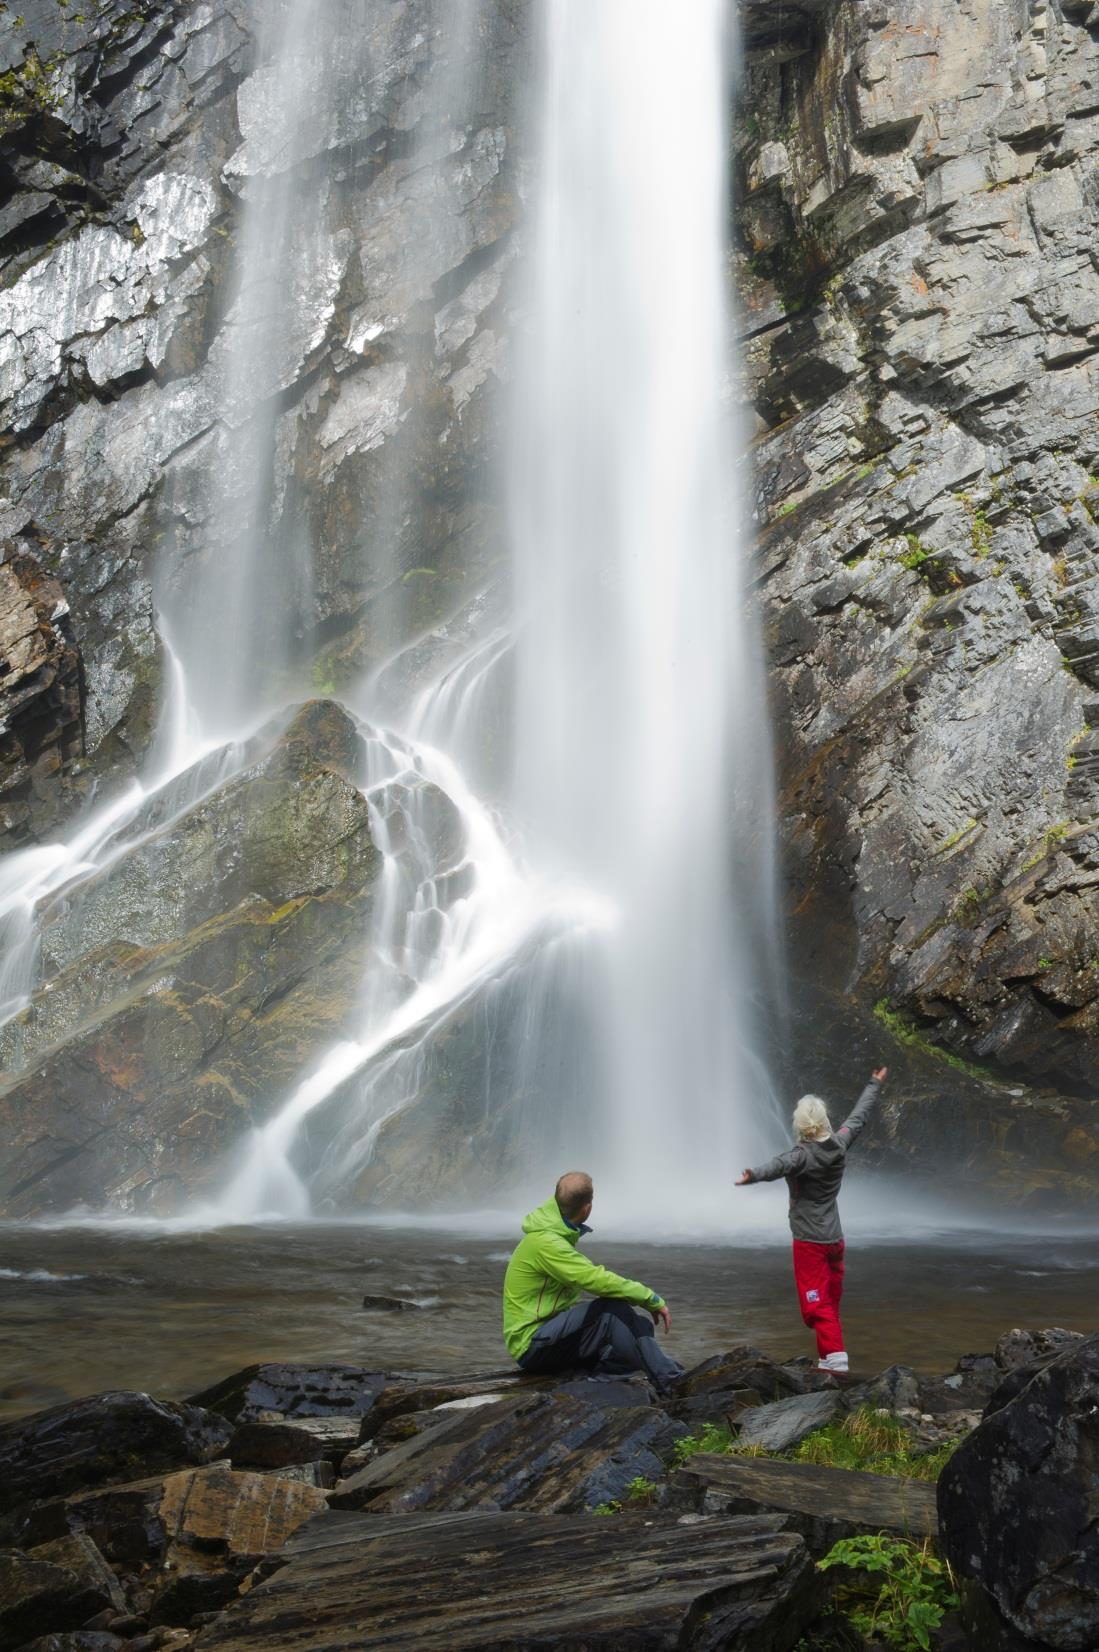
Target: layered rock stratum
{"x":916,"y":237}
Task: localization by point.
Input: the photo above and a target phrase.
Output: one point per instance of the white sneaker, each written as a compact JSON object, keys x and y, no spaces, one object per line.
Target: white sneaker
{"x":833,"y":1362}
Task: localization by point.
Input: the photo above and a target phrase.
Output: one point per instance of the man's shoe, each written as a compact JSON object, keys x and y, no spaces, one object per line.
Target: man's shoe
{"x":836,"y":1363}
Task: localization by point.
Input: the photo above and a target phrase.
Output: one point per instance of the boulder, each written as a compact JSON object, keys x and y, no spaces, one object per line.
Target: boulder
{"x":536,"y":1452}
{"x":721,"y":1386}
{"x":58,"y":1585}
{"x":193,"y":1535}
{"x":1017,"y":1349}
{"x":263,"y":1444}
{"x":779,"y":1426}
{"x":523,"y":1582}
{"x":292,"y":1391}
{"x":100,"y":1439}
{"x":1017,"y":1509}
{"x":823,"y":1504}
{"x":191,"y":978}
{"x":967,"y":1388}
{"x":896,"y":1389}
{"x":218,"y":1524}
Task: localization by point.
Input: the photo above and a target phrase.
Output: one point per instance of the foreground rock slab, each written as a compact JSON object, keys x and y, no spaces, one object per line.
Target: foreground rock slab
{"x":823,"y":1504}
{"x":779,"y":1426}
{"x":293,"y":1391}
{"x":484,"y":1582}
{"x":1017,"y":1509}
{"x":723,"y":1387}
{"x":541,"y":1452}
{"x":104,"y":1438}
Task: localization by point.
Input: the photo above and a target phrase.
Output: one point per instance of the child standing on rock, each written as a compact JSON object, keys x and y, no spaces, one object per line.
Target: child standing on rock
{"x":814,"y":1170}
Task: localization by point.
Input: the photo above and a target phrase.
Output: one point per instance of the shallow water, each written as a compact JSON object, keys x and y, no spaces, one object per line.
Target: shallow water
{"x":88,"y":1309}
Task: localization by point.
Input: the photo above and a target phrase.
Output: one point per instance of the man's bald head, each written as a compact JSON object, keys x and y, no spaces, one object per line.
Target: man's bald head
{"x":574,"y":1193}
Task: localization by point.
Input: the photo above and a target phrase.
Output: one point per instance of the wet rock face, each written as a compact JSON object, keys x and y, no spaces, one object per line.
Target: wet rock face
{"x":193,"y":978}
{"x":128,"y":141}
{"x":917,"y":226}
{"x":111,"y":124}
{"x":1017,"y":1510}
{"x":41,"y":695}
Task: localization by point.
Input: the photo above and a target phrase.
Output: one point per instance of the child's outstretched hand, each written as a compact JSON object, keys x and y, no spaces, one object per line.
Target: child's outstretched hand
{"x":742,"y":1181}
{"x":881,"y":1074}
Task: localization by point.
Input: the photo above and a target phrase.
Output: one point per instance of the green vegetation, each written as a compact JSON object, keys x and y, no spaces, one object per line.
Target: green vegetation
{"x":1071,"y":758}
{"x":323,"y":677}
{"x":980,"y":533}
{"x":639,"y":1491}
{"x":904,"y":1031}
{"x":710,"y":1437}
{"x":874,"y":1442}
{"x":916,"y":555}
{"x":956,"y":837}
{"x":26,"y":91}
{"x":867,"y":1439}
{"x":1053,"y":838}
{"x":893,"y":1590}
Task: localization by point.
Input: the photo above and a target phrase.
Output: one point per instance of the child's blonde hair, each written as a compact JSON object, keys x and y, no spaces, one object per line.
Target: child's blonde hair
{"x":811,"y":1122}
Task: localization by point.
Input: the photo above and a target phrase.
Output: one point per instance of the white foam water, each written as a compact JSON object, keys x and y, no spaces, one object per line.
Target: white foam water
{"x":643,"y":754}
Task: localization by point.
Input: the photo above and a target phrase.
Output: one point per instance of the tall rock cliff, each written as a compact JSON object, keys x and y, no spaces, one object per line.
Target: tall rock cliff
{"x":917,"y":241}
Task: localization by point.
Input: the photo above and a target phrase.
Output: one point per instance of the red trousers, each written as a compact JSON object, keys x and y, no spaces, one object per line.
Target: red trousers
{"x":818,"y":1274}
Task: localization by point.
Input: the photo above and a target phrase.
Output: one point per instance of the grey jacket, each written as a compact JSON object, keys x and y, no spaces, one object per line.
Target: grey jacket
{"x":814,"y":1171}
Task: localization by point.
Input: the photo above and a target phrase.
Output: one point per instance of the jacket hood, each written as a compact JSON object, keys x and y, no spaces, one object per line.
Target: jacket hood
{"x":548,"y":1219}
{"x":826,"y":1151}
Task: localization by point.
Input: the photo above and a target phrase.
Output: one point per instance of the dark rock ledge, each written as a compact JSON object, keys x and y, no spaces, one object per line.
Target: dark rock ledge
{"x":331,"y":1506}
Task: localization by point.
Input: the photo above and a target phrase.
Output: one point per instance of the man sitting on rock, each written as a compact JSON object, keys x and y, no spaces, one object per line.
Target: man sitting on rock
{"x":546,"y":1326}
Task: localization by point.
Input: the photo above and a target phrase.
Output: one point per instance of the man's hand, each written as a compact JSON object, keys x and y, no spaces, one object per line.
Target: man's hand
{"x":662,"y":1316}
{"x":743,"y":1180}
{"x":881,"y":1074}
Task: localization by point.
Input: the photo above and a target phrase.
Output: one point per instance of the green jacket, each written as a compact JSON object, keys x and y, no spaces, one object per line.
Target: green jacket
{"x":547,"y":1274}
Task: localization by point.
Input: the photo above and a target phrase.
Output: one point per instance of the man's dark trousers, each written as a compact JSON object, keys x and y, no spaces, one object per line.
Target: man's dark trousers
{"x":610,"y":1337}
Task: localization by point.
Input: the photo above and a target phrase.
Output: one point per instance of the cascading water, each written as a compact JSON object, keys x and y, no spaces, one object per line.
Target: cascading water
{"x":616,"y":958}
{"x":239,"y":608}
{"x":594,"y":934}
{"x":643,"y":759}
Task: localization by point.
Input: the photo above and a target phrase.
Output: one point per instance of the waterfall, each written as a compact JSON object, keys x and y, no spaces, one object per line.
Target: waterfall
{"x":617,"y":931}
{"x":642,"y":752}
{"x":596,"y":924}
{"x":240,"y":609}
